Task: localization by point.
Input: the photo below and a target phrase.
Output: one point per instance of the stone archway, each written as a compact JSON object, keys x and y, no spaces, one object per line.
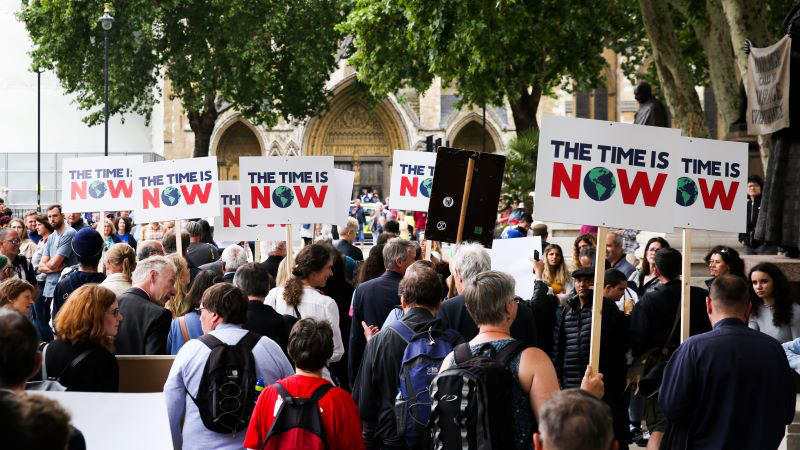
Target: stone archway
{"x":237,"y":140}
{"x":470,"y":137}
{"x":360,"y":138}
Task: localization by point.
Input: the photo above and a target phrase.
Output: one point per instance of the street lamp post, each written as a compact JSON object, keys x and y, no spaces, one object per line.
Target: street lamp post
{"x":38,"y":139}
{"x":106,"y":21}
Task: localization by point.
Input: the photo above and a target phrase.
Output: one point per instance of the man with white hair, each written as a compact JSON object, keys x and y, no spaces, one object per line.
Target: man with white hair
{"x":346,"y":237}
{"x":232,"y":258}
{"x":276,"y":251}
{"x":146,"y":326}
{"x":470,"y":260}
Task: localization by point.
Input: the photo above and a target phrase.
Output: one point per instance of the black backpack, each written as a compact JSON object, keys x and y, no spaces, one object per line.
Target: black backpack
{"x":227,"y":393}
{"x":472,"y":398}
{"x":298,"y":423}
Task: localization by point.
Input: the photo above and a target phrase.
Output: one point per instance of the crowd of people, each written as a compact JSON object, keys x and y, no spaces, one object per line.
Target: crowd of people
{"x":390,"y":349}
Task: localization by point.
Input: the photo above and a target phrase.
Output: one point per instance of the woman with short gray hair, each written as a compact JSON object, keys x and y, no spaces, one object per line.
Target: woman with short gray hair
{"x":490,"y":301}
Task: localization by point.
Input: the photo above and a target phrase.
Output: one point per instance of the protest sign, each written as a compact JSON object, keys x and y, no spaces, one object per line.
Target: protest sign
{"x":101,"y":183}
{"x":711,"y":185}
{"x":452,"y":181}
{"x":229,"y":227}
{"x":605,"y":173}
{"x":767,"y":86}
{"x":512,"y":256}
{"x":343,"y":188}
{"x":412,"y":179}
{"x":176,"y":189}
{"x":294,"y":189}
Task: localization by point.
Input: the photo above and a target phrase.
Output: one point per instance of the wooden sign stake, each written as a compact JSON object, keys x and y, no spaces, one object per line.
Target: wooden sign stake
{"x":462,"y":216}
{"x":178,"y":241}
{"x":257,"y":253}
{"x":597,"y":303}
{"x":686,"y":283}
{"x":289,"y":256}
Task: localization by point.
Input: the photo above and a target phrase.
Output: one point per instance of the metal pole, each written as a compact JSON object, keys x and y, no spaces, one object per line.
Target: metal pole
{"x":38,"y":140}
{"x":483,"y":146}
{"x":105,"y":90}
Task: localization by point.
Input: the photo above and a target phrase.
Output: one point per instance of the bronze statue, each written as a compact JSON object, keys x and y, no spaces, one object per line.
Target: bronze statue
{"x":651,"y":111}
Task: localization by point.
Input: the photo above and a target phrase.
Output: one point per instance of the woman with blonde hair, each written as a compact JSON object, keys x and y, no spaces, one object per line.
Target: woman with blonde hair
{"x":81,"y":357}
{"x":555,"y":273}
{"x":17,"y":294}
{"x":26,"y":245}
{"x":120,"y":262}
{"x":178,"y":305}
{"x":109,"y":233}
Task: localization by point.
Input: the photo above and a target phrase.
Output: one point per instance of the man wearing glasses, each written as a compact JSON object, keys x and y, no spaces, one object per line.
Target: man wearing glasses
{"x":20,"y":266}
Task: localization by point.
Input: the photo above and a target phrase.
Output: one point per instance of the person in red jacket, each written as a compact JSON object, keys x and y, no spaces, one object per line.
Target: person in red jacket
{"x":310,"y":347}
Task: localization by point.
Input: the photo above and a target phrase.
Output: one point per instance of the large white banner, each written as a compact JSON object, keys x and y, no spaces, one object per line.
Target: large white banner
{"x":767,"y":83}
{"x":176,"y":189}
{"x":293,"y":189}
{"x":512,"y":256}
{"x":343,"y":187}
{"x":98,"y":183}
{"x":412,"y":180}
{"x":229,"y":227}
{"x":593,"y":172}
{"x":711,"y":188}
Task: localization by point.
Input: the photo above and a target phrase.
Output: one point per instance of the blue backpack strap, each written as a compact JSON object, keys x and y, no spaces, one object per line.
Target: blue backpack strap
{"x":402,"y":329}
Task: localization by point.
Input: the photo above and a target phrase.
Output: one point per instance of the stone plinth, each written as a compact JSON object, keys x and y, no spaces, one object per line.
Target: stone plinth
{"x":789,"y":266}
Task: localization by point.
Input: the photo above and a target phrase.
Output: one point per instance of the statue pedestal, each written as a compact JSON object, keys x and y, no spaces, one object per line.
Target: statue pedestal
{"x":790,"y":267}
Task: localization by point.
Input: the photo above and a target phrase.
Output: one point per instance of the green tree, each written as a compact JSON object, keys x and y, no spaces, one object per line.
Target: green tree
{"x":489,"y":50}
{"x":519,"y":178}
{"x":267,"y":59}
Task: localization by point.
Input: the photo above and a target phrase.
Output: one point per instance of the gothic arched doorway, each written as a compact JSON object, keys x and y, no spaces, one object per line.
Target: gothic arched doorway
{"x":470,"y":137}
{"x":237,"y":140}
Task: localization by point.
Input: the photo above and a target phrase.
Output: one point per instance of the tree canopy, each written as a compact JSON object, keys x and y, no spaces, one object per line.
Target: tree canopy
{"x":267,"y":59}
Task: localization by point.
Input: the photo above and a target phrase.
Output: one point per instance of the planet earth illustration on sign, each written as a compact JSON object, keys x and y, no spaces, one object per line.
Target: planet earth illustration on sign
{"x":170,"y":196}
{"x":687,"y":192}
{"x":426,"y":186}
{"x":97,"y":189}
{"x":599,"y":184}
{"x":282,"y":196}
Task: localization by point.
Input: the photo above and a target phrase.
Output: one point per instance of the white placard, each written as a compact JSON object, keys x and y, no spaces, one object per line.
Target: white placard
{"x":711,"y":188}
{"x":229,"y":227}
{"x":343,"y":187}
{"x":98,"y":183}
{"x":293,"y":189}
{"x":512,"y":256}
{"x":100,"y":418}
{"x":412,"y":180}
{"x":176,"y":189}
{"x":593,"y":172}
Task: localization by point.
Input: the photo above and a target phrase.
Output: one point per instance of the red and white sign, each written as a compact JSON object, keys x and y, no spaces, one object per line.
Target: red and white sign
{"x":98,"y":183}
{"x":412,"y":180}
{"x":176,"y":189}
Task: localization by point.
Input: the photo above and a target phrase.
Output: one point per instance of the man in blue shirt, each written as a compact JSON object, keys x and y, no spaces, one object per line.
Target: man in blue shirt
{"x":730,"y":387}
{"x":57,"y":256}
{"x":615,"y":253}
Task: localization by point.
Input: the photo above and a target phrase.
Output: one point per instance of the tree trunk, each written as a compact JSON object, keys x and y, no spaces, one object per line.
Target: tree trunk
{"x":202,"y":123}
{"x":672,"y":70}
{"x":747,"y":19}
{"x":524,"y":109}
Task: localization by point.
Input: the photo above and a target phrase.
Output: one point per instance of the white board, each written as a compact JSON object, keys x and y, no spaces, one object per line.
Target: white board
{"x":711,"y":187}
{"x":98,"y":183}
{"x":229,"y":227}
{"x":176,"y":189}
{"x":293,"y":189}
{"x":512,"y":256}
{"x":593,"y":172}
{"x":343,"y":187}
{"x":412,"y":180}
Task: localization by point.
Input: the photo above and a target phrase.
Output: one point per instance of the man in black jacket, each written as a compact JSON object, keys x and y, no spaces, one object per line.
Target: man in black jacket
{"x":146,"y":325}
{"x":572,"y":337}
{"x":346,"y":237}
{"x":9,"y":247}
{"x":255,"y":282}
{"x":87,"y":245}
{"x":274,"y":257}
{"x":653,"y":320}
{"x":373,"y":300}
{"x":470,"y":260}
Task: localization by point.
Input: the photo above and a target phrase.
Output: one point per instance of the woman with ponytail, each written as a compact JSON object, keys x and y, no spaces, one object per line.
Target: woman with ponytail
{"x":300,"y":298}
{"x":120,"y":261}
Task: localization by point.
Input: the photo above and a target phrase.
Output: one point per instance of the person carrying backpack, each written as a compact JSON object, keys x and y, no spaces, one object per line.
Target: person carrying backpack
{"x":211,"y":387}
{"x":304,"y":410}
{"x":391,"y":389}
{"x":506,"y":381}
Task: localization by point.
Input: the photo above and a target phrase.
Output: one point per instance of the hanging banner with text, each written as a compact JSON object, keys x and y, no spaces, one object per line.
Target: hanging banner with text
{"x":99,"y":183}
{"x":767,"y":86}
{"x":593,"y":172}
{"x":229,"y":227}
{"x":711,"y":185}
{"x":176,"y":189}
{"x":343,"y":187}
{"x":412,"y":180}
{"x":293,"y":189}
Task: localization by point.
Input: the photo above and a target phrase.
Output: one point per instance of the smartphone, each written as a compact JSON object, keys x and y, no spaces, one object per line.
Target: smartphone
{"x":536,"y":255}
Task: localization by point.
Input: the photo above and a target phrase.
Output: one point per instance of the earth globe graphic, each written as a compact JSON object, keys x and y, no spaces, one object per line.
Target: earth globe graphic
{"x":170,"y":196}
{"x":282,"y":196}
{"x":426,"y":186}
{"x":599,"y":184}
{"x":687,"y":192}
{"x":97,"y":189}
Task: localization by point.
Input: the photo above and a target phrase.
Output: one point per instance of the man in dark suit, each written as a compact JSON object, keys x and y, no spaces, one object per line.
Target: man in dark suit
{"x":274,"y":258}
{"x":470,"y":260}
{"x":374,"y":299}
{"x":255,"y":282}
{"x":346,"y":238}
{"x":146,"y":326}
{"x":653,"y":319}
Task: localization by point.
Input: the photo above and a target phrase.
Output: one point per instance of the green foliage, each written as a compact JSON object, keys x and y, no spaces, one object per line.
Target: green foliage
{"x":519,"y":178}
{"x":488,"y":50}
{"x":265,"y":58}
